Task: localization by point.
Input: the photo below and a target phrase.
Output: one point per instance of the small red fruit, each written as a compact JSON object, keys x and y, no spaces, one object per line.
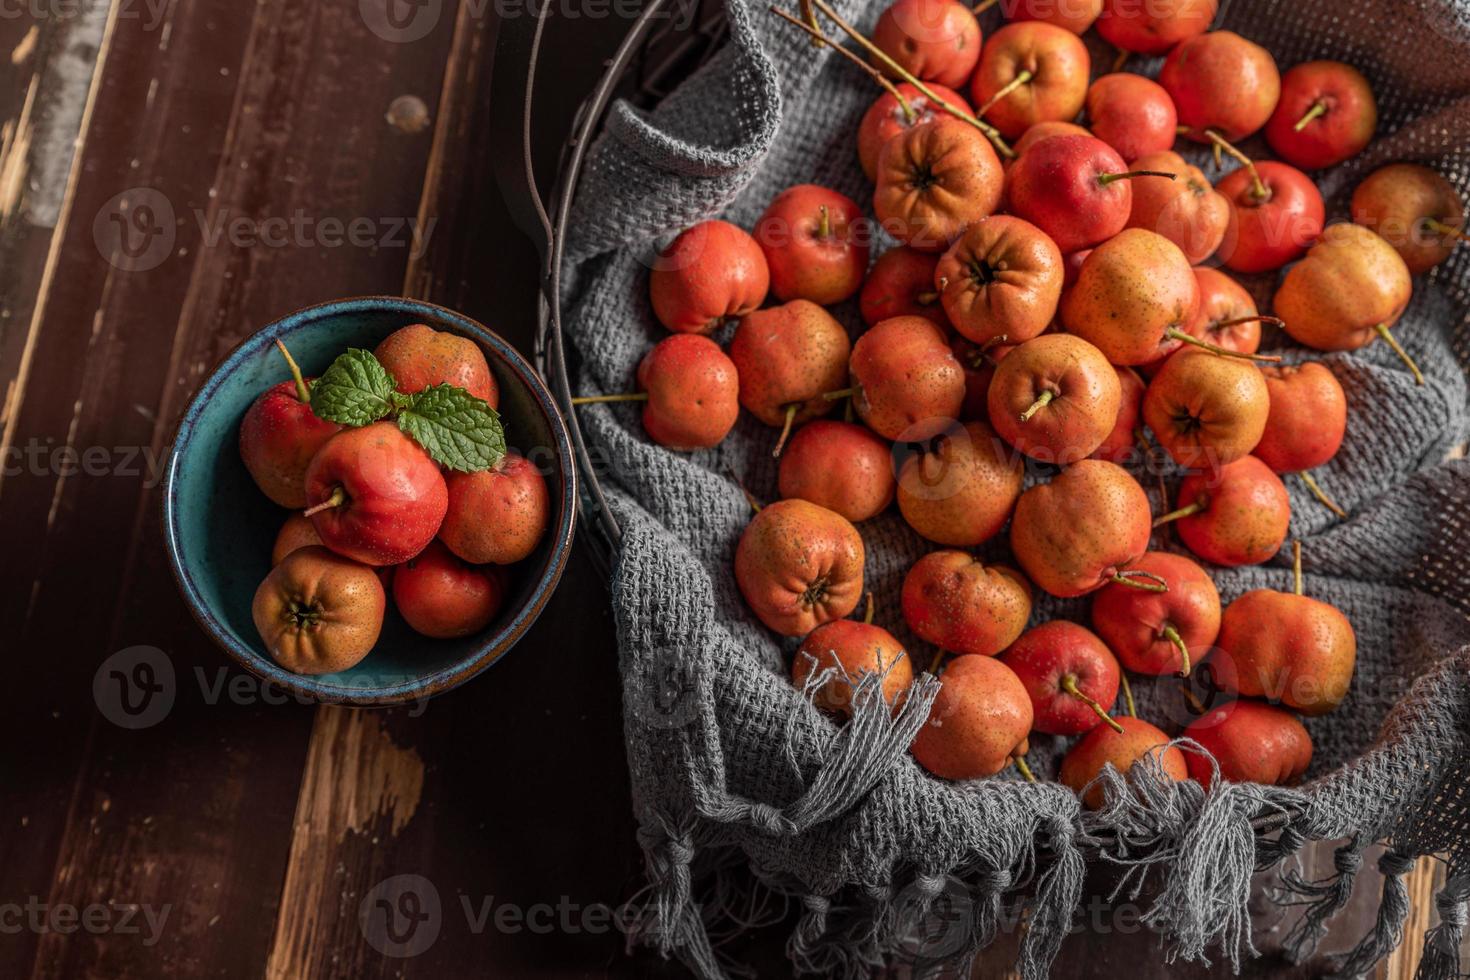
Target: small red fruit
{"x":1132,"y":114}
{"x":375,"y":495}
{"x":1074,"y":189}
{"x":279,"y":435}
{"x":934,"y":181}
{"x":1307,"y":418}
{"x":1105,"y":746}
{"x":960,"y":604}
{"x":816,"y":244}
{"x":1416,"y":211}
{"x":1121,"y":444}
{"x":420,"y":357}
{"x":978,"y":723}
{"x":443,"y":597}
{"x":1187,"y":211}
{"x":961,"y":490}
{"x":850,"y":649}
{"x":887,"y":117}
{"x":840,"y":466}
{"x":1327,"y":114}
{"x":1276,"y":213}
{"x":693,"y":392}
{"x":318,"y":612}
{"x":788,"y":356}
{"x":1252,"y":743}
{"x":1074,"y":15}
{"x":1071,"y":677}
{"x":1222,"y":82}
{"x":799,"y":566}
{"x":934,"y":40}
{"x":1001,"y":279}
{"x":901,"y":283}
{"x":710,"y":272}
{"x":1237,"y":515}
{"x":1160,"y":632}
{"x":1082,"y":530}
{"x":1030,"y":72}
{"x":1153,"y":26}
{"x":497,"y":515}
{"x":1055,"y":398}
{"x":909,"y":385}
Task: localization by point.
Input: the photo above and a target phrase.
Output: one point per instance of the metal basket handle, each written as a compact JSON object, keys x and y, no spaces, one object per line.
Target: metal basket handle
{"x":512,"y":102}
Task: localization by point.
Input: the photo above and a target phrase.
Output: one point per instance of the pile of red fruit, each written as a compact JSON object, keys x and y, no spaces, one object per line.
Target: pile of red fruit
{"x":1051,"y":300}
{"x":429,"y":507}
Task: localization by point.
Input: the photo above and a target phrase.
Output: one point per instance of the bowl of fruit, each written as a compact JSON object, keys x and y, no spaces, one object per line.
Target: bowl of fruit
{"x":369,"y":501}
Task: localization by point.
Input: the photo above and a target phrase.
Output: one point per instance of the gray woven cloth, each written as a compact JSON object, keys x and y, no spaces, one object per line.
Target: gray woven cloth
{"x":734,"y":772}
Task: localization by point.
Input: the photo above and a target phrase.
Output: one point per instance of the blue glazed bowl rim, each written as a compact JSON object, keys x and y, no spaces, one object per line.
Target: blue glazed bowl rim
{"x":496,"y":645}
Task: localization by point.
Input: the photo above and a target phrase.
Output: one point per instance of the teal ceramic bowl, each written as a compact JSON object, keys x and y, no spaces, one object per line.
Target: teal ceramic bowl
{"x":219,"y":527}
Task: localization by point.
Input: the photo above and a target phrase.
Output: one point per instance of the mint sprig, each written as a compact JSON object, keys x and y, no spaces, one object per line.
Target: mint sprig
{"x":457,"y":429}
{"x":355,"y":390}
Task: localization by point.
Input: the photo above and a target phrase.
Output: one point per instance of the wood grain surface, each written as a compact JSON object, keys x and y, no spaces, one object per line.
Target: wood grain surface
{"x":245,"y":835}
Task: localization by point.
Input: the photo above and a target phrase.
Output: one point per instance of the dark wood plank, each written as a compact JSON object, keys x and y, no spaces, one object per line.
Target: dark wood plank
{"x":226,"y":111}
{"x":524,"y":803}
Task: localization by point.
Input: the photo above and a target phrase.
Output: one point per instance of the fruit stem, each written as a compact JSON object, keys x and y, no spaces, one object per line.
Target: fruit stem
{"x":868,"y":613}
{"x":1275,"y":321}
{"x":926,"y":299}
{"x":1174,"y":333}
{"x":1321,"y":494}
{"x":1106,"y":179}
{"x":824,"y":223}
{"x":1296,"y":568}
{"x":750,"y":498}
{"x":1191,"y":700}
{"x":1258,"y":186}
{"x":983,"y":6}
{"x":814,"y":30}
{"x":1130,"y":577}
{"x":1121,"y":60}
{"x":1398,"y":349}
{"x":1021,"y":79}
{"x":1439,"y":227}
{"x":337,"y":499}
{"x":1172,"y":635}
{"x":810,"y":17}
{"x":632,"y":396}
{"x":1127,"y":694}
{"x":991,"y":133}
{"x":832,"y":396}
{"x":1041,"y":402}
{"x":786,"y":429}
{"x":1069,"y":684}
{"x":1317,"y":109}
{"x":1023,"y":769}
{"x":934,"y":664}
{"x":1174,"y":515}
{"x":303,"y":394}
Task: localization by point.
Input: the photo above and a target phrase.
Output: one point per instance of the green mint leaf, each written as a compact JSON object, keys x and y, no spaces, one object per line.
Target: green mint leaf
{"x":355,"y":390}
{"x":459,"y":430}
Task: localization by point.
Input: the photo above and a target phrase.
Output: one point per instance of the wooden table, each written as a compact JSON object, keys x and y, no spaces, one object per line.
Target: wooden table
{"x":253,"y":831}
